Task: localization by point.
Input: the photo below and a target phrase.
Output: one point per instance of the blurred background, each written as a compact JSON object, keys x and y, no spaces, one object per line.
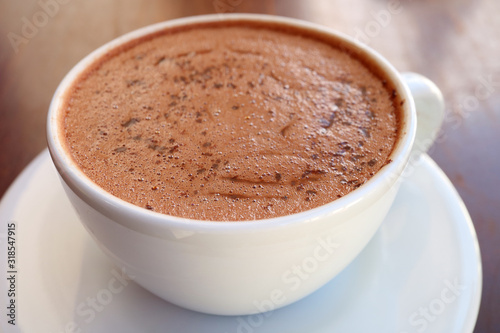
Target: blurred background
{"x":456,"y":43}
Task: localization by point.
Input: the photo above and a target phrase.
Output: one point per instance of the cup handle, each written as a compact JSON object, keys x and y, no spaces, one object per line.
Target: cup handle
{"x":429,"y":104}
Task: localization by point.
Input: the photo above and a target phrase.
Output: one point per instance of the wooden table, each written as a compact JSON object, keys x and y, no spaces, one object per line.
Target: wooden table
{"x":454,"y":43}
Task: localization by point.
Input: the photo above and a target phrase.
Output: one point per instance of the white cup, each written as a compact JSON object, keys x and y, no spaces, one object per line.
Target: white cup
{"x":243,"y":267}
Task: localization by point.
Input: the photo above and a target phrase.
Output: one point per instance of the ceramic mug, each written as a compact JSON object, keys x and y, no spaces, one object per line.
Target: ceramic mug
{"x":244,"y":267}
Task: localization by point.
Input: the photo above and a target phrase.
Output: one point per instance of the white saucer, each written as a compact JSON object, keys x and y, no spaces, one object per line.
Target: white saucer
{"x":420,"y":273}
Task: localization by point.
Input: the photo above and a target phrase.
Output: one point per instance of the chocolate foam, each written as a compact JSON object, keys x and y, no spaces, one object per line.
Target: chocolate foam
{"x":229,"y":123}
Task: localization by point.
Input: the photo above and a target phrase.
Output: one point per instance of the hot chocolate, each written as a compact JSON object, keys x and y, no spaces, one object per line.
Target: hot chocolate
{"x":231,"y":121}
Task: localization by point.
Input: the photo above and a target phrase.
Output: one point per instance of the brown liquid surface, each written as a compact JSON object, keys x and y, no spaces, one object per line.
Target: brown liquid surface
{"x":230,"y":123}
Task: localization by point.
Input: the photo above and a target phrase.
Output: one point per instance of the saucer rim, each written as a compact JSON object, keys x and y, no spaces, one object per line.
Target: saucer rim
{"x":21,"y":184}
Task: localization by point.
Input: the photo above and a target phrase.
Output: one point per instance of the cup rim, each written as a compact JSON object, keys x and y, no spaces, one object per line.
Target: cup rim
{"x":106,"y":202}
